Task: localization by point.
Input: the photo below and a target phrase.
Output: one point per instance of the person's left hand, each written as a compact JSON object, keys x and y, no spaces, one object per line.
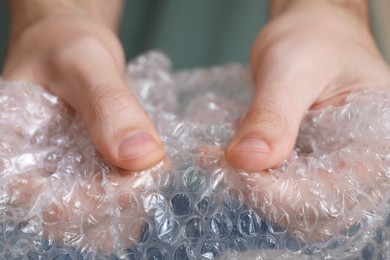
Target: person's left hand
{"x":311,"y":54}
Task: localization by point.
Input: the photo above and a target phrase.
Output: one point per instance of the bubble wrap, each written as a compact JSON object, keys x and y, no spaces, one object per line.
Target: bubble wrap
{"x":60,"y":200}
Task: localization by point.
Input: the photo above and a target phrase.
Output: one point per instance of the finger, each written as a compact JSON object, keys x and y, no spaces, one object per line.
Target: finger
{"x":284,"y":91}
{"x":120,"y":129}
{"x":117,"y":124}
{"x":268,"y":132}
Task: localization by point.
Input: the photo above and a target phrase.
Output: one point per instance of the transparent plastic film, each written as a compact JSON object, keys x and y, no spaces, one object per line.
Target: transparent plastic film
{"x":60,"y":200}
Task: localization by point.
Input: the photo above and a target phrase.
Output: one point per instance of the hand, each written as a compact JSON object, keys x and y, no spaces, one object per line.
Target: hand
{"x":311,"y":54}
{"x":77,"y":56}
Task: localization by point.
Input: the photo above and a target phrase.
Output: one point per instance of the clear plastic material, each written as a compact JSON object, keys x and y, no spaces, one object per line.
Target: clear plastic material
{"x":60,"y":200}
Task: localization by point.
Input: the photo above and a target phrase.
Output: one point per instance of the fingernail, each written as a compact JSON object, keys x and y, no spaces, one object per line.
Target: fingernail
{"x":251,"y":144}
{"x":136,"y":145}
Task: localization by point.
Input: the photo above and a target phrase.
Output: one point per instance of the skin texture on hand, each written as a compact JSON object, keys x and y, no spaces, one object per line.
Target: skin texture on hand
{"x":311,"y":54}
{"x":71,"y":49}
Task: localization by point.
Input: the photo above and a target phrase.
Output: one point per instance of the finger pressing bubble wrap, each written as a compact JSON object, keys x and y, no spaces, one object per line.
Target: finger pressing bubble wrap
{"x":60,"y":200}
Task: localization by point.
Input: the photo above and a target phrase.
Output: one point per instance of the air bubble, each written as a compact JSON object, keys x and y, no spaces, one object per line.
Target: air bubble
{"x":232,"y":199}
{"x":368,"y":251}
{"x":260,"y":199}
{"x":167,"y":182}
{"x":306,"y":217}
{"x":221,"y":226}
{"x":218,"y":179}
{"x":131,"y":254}
{"x":169,"y":231}
{"x":206,"y":204}
{"x":155,"y":253}
{"x":52,"y":213}
{"x":183,"y":252}
{"x":332,"y":210}
{"x":70,"y":235}
{"x":194,"y":179}
{"x":30,"y":226}
{"x":351,"y":229}
{"x":193,"y":228}
{"x":278,"y":221}
{"x":209,"y":160}
{"x":181,"y":160}
{"x":44,"y":243}
{"x":7,"y":228}
{"x":127,"y":205}
{"x":210,"y":250}
{"x":295,"y":241}
{"x":4,"y":197}
{"x":238,"y":245}
{"x":323,"y":235}
{"x":20,"y":245}
{"x":268,"y":242}
{"x":154,"y":204}
{"x":249,"y":224}
{"x":181,"y":205}
{"x":380,"y":236}
{"x":51,"y":160}
{"x":140,"y":231}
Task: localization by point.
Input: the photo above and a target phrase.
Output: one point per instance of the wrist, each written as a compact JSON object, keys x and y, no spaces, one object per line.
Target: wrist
{"x":319,"y":24}
{"x":26,"y":13}
{"x":349,"y":12}
{"x":326,"y":16}
{"x":358,"y":8}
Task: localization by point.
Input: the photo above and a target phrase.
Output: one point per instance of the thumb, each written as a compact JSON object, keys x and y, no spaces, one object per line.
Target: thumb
{"x":117,"y":124}
{"x":269,"y":130}
{"x":119,"y":128}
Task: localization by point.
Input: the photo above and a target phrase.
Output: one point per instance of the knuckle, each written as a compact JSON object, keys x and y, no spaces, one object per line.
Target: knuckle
{"x":107,"y":102}
{"x":268,"y":116}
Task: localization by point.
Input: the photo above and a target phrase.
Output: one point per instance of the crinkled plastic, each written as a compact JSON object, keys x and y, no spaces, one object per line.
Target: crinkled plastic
{"x":60,"y":200}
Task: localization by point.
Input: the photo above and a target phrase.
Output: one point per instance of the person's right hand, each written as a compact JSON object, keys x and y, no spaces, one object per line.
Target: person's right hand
{"x":80,"y":59}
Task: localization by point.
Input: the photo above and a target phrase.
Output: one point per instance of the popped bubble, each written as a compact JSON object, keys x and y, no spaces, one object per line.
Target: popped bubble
{"x":181,"y":204}
{"x":60,"y":200}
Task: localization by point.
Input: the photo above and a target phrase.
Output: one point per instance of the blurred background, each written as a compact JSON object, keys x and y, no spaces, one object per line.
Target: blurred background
{"x":192,"y":33}
{"x":201,"y":33}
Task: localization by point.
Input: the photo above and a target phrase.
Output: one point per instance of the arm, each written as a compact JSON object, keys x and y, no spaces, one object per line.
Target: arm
{"x":24,"y":12}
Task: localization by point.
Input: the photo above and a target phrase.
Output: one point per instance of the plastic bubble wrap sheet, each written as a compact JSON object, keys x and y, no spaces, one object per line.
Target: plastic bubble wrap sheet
{"x":60,"y":200}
